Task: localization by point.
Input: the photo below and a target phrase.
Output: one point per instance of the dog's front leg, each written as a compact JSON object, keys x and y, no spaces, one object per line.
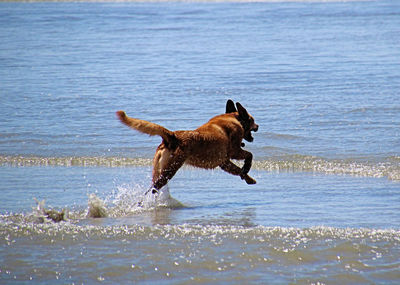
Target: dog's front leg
{"x":232,"y":168}
{"x":248,"y":159}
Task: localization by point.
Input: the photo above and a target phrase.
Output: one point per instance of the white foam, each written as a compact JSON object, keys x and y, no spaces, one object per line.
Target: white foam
{"x":161,"y":199}
{"x":96,"y":207}
{"x":128,"y":200}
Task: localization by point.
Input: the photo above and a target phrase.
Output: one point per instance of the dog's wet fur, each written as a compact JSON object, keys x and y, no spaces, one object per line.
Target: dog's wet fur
{"x":211,"y":145}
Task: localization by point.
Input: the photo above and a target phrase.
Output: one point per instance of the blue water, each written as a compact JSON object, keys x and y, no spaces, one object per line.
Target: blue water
{"x":321,"y":79}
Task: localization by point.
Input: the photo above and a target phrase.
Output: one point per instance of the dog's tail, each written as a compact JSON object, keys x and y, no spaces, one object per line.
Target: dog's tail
{"x":149,"y":128}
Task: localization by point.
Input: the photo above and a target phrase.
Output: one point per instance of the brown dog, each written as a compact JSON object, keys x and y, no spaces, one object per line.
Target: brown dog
{"x":212,"y":144}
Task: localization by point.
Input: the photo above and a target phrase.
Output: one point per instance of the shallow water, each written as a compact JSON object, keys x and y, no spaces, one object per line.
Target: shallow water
{"x":321,"y":80}
{"x":278,"y":199}
{"x":200,"y":254}
{"x":289,"y":228}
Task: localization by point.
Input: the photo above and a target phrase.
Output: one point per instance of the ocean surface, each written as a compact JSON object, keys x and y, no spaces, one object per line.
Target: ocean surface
{"x":322,"y":80}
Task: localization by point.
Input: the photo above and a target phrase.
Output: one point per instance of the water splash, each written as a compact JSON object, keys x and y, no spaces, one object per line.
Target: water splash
{"x":131,"y":200}
{"x":127,"y":201}
{"x":41,"y":215}
{"x":96,"y":207}
{"x":387,"y":167}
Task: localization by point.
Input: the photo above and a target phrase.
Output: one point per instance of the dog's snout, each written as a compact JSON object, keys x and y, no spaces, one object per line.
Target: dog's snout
{"x":255,"y":128}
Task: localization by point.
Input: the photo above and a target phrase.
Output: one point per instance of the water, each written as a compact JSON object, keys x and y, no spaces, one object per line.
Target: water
{"x":321,"y":80}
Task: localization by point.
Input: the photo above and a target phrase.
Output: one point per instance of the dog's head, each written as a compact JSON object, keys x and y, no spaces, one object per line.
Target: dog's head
{"x":244,"y":118}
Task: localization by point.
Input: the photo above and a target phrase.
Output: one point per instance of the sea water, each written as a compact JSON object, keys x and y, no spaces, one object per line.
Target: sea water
{"x":321,"y":78}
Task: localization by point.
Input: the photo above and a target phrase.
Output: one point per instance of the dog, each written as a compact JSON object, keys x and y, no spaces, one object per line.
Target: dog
{"x":211,"y":145}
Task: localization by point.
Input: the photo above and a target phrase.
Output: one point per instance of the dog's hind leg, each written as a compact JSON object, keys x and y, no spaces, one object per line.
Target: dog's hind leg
{"x":232,"y":168}
{"x":165,"y":164}
{"x":169,"y":171}
{"x":160,"y":161}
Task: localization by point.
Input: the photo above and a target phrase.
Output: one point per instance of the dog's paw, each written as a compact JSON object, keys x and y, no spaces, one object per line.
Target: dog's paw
{"x":251,"y":181}
{"x":248,"y":179}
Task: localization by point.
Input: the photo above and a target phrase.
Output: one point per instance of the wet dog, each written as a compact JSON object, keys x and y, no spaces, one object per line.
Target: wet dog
{"x":211,"y":145}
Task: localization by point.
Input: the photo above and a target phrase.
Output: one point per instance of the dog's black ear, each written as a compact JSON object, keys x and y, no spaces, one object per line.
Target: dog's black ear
{"x":230,"y":107}
{"x":242,"y":111}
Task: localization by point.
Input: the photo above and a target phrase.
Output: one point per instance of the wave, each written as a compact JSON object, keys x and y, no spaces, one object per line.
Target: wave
{"x":128,"y":203}
{"x":192,"y":248}
{"x":389,"y":168}
{"x":68,"y":161}
{"x":302,"y":163}
{"x":23,"y":225}
{"x":342,"y":254}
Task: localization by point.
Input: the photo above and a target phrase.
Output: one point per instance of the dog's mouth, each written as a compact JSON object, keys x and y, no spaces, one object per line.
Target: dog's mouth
{"x":248,"y":137}
{"x":254,"y":128}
